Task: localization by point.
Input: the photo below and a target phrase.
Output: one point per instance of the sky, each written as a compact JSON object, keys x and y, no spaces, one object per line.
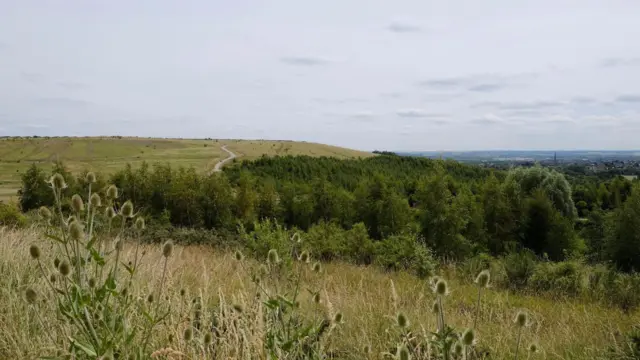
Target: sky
{"x":366,"y":74}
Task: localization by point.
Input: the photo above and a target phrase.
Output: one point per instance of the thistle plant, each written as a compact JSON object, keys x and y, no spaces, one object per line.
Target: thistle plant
{"x":482,"y":281}
{"x":90,"y":293}
{"x":521,"y":320}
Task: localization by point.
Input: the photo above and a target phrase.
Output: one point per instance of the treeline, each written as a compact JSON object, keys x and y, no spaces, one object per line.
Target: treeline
{"x":455,"y":210}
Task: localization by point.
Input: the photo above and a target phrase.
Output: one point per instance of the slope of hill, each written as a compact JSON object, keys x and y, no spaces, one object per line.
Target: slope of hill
{"x":107,"y":154}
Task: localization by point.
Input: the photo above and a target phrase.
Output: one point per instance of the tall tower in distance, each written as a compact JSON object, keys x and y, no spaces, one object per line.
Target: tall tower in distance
{"x":555,"y":158}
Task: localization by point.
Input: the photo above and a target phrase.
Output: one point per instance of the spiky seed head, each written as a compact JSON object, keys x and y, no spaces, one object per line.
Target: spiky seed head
{"x":304,"y":257}
{"x":208,"y":338}
{"x":402,"y":320}
{"x":119,"y":245}
{"x":188,"y":334}
{"x":403,"y":353}
{"x":71,"y":219}
{"x":77,"y":204}
{"x":238,"y":308}
{"x":273,"y":257}
{"x":34,"y":251}
{"x":483,"y":278}
{"x":76,"y":232}
{"x":127,"y":209}
{"x":92,"y":283}
{"x":150,"y":298}
{"x":57,"y":182}
{"x":53,"y":278}
{"x":109,"y":212}
{"x":238,"y":255}
{"x":366,"y":349}
{"x":140,"y":225}
{"x":167,"y":248}
{"x":316,"y":298}
{"x":30,"y":295}
{"x":124,"y":292}
{"x":317,"y":267}
{"x":95,"y":200}
{"x":112,"y":192}
{"x":521,"y":319}
{"x":338,"y":317}
{"x":64,"y":268}
{"x":183,"y":292}
{"x":435,"y":308}
{"x":56,"y":262}
{"x":468,"y":337}
{"x":442,"y":288}
{"x":91,"y":177}
{"x":533,"y":348}
{"x":458,"y":349}
{"x":44,"y":213}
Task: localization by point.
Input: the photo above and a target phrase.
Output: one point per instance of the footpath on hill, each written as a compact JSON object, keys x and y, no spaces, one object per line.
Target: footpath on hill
{"x":218,"y":166}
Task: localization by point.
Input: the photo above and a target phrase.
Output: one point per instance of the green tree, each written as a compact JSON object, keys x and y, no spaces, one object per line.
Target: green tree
{"x":623,"y":236}
{"x":35,"y":190}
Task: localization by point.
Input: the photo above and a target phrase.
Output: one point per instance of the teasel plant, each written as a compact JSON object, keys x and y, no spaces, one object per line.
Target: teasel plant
{"x":90,"y":285}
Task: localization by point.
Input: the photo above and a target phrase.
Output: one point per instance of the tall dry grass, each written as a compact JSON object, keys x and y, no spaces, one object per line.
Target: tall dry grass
{"x":368,"y":298}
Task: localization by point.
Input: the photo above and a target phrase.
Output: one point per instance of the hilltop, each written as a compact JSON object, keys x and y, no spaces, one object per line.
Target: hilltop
{"x":108,"y":154}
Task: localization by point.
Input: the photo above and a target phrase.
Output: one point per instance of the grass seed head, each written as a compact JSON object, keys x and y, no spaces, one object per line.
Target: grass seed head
{"x":112,"y":192}
{"x":483,"y":278}
{"x":57,"y":182}
{"x":91,"y":177}
{"x":34,"y":251}
{"x":95,"y":200}
{"x":44,"y":213}
{"x":77,"y":204}
{"x":273,"y":257}
{"x":167,"y":248}
{"x":127,"y":209}
{"x":140,"y":225}
{"x":30,"y":295}
{"x":521,"y":319}
{"x":468,"y":337}
{"x":64,"y":268}
{"x":402,"y":320}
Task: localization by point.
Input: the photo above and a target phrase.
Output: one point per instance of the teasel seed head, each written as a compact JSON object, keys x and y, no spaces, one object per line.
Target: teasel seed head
{"x":533,"y":348}
{"x":53,"y":278}
{"x":458,"y":349}
{"x":77,"y":204}
{"x":34,"y":251}
{"x":188,"y":334}
{"x":238,"y":255}
{"x":119,"y":244}
{"x":183,"y":292}
{"x":441,"y":288}
{"x":95,"y":200}
{"x":56,"y":262}
{"x":435,"y":308}
{"x":109,"y":212}
{"x":317,"y":267}
{"x":338,"y":318}
{"x":57,"y":182}
{"x":403,"y":353}
{"x":468,"y":337}
{"x":112,"y":192}
{"x":30,"y":295}
{"x":150,"y":298}
{"x":44,"y":213}
{"x":127,"y":209}
{"x":167,"y":249}
{"x":483,"y":278}
{"x":316,"y":298}
{"x":140,"y":225}
{"x":402,"y":320}
{"x":91,"y":177}
{"x":92,"y":283}
{"x":238,"y":308}
{"x":304,"y":257}
{"x":521,"y":319}
{"x":208,"y":338}
{"x":76,"y":232}
{"x":273,"y":257}
{"x":64,"y":268}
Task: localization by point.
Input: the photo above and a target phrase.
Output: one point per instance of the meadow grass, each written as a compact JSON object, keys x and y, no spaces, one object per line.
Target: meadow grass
{"x":109,"y":154}
{"x":368,"y":298}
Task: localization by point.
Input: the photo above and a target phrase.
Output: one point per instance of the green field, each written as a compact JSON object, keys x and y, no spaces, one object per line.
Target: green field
{"x":107,"y":154}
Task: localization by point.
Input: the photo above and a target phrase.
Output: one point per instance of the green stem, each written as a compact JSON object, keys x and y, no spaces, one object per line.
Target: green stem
{"x":441,"y":313}
{"x":518,"y":343}
{"x":475,"y":321}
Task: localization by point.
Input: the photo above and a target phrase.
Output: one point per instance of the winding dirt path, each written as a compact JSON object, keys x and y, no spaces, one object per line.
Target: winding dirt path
{"x":218,"y":166}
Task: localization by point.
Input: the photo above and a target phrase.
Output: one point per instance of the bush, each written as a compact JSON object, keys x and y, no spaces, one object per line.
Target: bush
{"x":11,"y":216}
{"x":566,"y":278}
{"x":519,"y":267}
{"x":404,"y":252}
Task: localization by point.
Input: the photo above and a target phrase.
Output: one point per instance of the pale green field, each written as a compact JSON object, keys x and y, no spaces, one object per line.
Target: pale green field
{"x":109,"y":154}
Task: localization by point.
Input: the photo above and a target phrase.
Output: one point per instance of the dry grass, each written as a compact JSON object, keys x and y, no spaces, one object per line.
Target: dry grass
{"x":564,"y":329}
{"x":108,"y":154}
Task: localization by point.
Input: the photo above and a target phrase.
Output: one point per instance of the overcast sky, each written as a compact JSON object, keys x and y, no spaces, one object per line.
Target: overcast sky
{"x":365,"y":74}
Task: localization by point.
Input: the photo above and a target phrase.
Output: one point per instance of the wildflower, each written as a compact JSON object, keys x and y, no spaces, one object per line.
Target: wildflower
{"x":483,"y":278}
{"x":31,"y":295}
{"x":127,"y":209}
{"x":44,"y":213}
{"x":64,"y":268}
{"x":112,"y":192}
{"x":167,"y":249}
{"x":521,"y":319}
{"x":140,"y":225}
{"x":91,"y":177}
{"x":95,"y":200}
{"x":77,"y":204}
{"x":34,"y":250}
{"x":57,"y":182}
{"x":402,"y":320}
{"x":273,"y":257}
{"x":468,"y":337}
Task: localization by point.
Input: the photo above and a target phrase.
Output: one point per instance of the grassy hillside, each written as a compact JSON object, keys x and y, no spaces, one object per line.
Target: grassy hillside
{"x":368,"y":298}
{"x":107,"y":154}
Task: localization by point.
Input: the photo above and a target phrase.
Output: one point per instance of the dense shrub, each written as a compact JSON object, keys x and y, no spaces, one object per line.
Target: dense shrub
{"x":11,"y":216}
{"x":519,"y":267}
{"x":566,"y":278}
{"x":404,"y":252}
